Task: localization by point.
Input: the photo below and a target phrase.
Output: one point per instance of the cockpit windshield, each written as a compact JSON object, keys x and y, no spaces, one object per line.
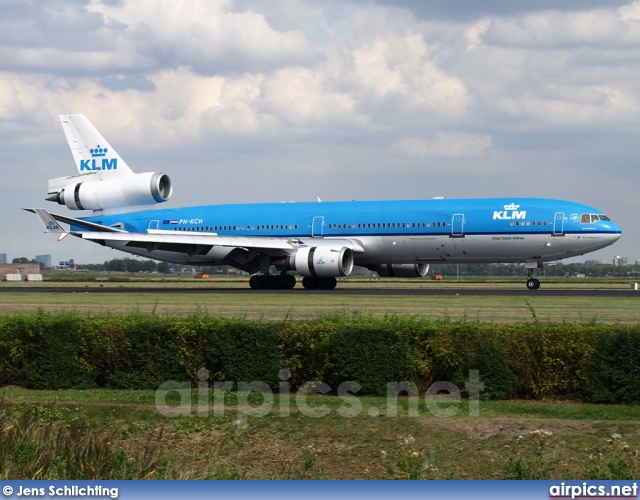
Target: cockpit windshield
{"x":589,"y":218}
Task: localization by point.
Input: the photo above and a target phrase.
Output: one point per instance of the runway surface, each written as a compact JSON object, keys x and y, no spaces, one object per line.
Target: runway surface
{"x":345,"y":291}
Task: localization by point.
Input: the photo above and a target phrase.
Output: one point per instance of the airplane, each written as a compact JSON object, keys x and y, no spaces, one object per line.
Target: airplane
{"x":320,"y":241}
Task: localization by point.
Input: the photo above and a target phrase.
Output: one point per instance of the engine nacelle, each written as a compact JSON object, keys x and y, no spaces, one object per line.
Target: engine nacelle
{"x":402,"y":270}
{"x":323,"y":261}
{"x":136,"y":189}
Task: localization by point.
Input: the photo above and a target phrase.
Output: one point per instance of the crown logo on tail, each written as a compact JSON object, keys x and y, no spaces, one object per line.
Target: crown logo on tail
{"x":513,"y":206}
{"x":98,"y":151}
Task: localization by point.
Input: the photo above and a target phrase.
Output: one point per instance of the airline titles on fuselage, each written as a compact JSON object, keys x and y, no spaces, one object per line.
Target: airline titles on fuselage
{"x":510,"y":212}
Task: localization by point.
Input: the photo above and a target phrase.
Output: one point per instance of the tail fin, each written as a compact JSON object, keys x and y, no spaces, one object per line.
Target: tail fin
{"x":91,"y":152}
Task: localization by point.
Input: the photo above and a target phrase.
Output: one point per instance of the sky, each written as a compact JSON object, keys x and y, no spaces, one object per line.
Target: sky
{"x":289,"y":100}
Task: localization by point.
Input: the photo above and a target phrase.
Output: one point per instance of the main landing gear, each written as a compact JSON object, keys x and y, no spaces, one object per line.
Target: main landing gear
{"x":314,"y":283}
{"x":272,"y":282}
{"x":532,"y":283}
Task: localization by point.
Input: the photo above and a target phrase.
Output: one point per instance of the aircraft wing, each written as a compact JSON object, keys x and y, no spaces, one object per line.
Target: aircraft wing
{"x":156,"y":240}
{"x":237,"y":251}
{"x":242,"y":252}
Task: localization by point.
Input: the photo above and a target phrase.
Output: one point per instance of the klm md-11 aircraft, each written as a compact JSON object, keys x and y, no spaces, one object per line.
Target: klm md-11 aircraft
{"x":320,"y":241}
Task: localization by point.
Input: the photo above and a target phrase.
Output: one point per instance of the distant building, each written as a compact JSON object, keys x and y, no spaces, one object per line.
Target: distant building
{"x":44,"y":259}
{"x":19,"y":272}
{"x":594,"y":262}
{"x":3,"y":258}
{"x":619,"y":261}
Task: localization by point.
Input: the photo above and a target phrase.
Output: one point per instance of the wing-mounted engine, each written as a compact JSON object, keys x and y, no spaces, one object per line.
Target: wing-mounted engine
{"x":90,"y":192}
{"x":401,"y":270}
{"x":322,"y":261}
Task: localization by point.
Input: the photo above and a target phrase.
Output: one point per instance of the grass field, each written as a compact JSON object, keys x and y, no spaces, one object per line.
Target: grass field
{"x":300,"y":305}
{"x":132,"y":439}
{"x":517,"y":440}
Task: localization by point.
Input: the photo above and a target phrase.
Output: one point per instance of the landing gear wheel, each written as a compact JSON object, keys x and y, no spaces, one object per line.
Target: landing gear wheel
{"x":533,"y":284}
{"x":255,"y":282}
{"x":314,"y":283}
{"x":290,"y":281}
{"x":330,"y":283}
{"x":270,"y":282}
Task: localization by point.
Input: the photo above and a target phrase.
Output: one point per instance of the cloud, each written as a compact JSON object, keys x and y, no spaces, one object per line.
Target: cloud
{"x":209,"y":37}
{"x":455,"y":145}
{"x":397,"y":66}
{"x":604,"y":27}
{"x":230,"y":91}
{"x":469,"y":11}
{"x":118,"y":83}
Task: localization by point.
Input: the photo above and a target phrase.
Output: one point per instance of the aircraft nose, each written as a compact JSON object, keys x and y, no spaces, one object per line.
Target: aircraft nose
{"x":614,"y":232}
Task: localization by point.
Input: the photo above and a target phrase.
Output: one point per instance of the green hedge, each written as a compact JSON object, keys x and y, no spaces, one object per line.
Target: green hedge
{"x":590,"y":362}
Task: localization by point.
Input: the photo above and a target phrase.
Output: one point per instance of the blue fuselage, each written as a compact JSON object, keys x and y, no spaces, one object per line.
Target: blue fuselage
{"x":435,"y":230}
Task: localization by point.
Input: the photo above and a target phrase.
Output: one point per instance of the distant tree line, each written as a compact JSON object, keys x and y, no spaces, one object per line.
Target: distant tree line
{"x":24,"y":260}
{"x":552,"y":270}
{"x":128,"y":266}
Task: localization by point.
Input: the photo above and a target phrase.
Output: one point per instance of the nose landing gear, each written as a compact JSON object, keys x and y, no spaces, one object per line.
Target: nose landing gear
{"x":532,"y":283}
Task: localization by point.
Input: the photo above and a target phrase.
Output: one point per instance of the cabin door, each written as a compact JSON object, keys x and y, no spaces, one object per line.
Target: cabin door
{"x":457,"y":225}
{"x":317,"y":227}
{"x":558,"y":224}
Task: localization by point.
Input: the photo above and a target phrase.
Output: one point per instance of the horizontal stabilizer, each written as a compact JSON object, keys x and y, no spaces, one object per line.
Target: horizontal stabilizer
{"x":53,"y":220}
{"x":50,"y":224}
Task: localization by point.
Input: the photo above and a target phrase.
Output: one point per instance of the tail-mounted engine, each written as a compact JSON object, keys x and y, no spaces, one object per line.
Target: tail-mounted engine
{"x":90,"y":192}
